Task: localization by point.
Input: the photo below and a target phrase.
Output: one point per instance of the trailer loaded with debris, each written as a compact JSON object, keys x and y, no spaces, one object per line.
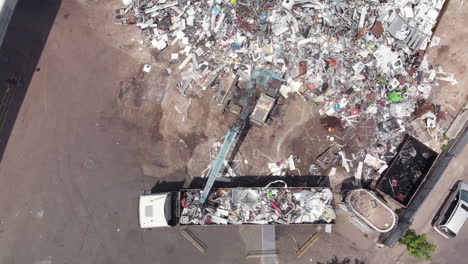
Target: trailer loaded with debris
{"x":407,"y":172}
{"x":236,"y":206}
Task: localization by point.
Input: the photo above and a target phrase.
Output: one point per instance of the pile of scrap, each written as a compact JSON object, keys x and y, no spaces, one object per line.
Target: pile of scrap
{"x":361,"y":62}
{"x":407,"y":172}
{"x":335,"y":50}
{"x":259,"y":206}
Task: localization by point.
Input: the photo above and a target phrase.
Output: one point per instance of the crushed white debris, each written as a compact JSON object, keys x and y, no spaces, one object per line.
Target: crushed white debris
{"x":259,"y":206}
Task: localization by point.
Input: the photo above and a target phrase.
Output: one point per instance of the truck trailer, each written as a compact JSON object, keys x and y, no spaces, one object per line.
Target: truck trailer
{"x":237,"y":206}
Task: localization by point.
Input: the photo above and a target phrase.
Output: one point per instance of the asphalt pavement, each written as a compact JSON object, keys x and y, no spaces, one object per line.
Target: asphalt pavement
{"x":448,"y":250}
{"x":70,"y":179}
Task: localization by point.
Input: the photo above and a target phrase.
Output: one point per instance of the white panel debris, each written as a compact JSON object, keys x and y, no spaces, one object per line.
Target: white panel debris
{"x":147,"y":68}
{"x":374,"y":162}
{"x":358,"y":175}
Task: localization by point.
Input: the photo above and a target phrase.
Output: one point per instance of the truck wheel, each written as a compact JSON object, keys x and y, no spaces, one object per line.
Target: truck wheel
{"x":269,"y":121}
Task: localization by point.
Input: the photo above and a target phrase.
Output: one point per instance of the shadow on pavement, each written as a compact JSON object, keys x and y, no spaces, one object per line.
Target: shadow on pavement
{"x":164,"y":186}
{"x":244,"y":181}
{"x":20,"y":52}
{"x":335,"y":260}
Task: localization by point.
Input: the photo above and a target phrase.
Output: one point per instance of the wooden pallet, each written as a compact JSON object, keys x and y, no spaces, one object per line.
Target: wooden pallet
{"x":307,"y":245}
{"x":194,"y":240}
{"x":262,"y":253}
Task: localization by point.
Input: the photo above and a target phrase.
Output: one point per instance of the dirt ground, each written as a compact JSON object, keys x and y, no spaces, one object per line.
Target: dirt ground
{"x":452,"y":56}
{"x":176,"y":133}
{"x":179,"y":133}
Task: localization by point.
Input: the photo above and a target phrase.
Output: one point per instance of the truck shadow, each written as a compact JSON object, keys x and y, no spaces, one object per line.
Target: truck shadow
{"x":20,"y":51}
{"x":164,"y":186}
{"x":243,"y":181}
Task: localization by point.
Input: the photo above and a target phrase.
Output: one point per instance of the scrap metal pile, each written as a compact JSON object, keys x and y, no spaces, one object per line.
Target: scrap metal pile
{"x":259,"y":206}
{"x":361,"y":62}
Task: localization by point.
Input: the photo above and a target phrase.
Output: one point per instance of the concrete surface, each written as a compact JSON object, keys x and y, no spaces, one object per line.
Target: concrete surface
{"x":448,"y":251}
{"x":346,"y":244}
{"x":72,"y":169}
{"x":18,"y":59}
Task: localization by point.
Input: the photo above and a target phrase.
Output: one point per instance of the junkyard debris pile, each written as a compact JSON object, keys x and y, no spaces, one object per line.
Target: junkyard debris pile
{"x":259,"y":206}
{"x":362,"y":62}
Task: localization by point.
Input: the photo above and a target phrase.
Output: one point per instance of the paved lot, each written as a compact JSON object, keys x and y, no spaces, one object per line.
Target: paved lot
{"x":448,"y":251}
{"x":18,"y":59}
{"x":70,"y":175}
{"x":69,"y":178}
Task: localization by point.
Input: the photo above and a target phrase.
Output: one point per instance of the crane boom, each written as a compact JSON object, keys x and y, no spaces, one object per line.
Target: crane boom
{"x":228,"y":140}
{"x":271,"y":83}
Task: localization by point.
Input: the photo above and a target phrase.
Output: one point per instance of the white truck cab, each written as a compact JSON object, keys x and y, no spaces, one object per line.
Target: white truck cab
{"x":155,"y":210}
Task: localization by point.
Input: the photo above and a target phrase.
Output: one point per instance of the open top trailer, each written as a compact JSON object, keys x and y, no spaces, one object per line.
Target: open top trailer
{"x":273,"y":205}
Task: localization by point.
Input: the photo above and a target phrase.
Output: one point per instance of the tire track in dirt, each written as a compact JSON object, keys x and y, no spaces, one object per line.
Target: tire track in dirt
{"x":290,"y":133}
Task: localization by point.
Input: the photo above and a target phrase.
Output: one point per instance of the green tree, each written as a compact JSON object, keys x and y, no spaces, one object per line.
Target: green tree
{"x":417,"y":245}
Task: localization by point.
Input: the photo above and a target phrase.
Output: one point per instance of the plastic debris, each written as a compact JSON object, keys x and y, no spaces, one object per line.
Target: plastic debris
{"x":147,"y":68}
{"x":279,"y":168}
{"x":374,"y":162}
{"x":395,"y":97}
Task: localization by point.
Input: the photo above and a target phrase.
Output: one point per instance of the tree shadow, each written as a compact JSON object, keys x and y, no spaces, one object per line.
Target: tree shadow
{"x":335,"y":260}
